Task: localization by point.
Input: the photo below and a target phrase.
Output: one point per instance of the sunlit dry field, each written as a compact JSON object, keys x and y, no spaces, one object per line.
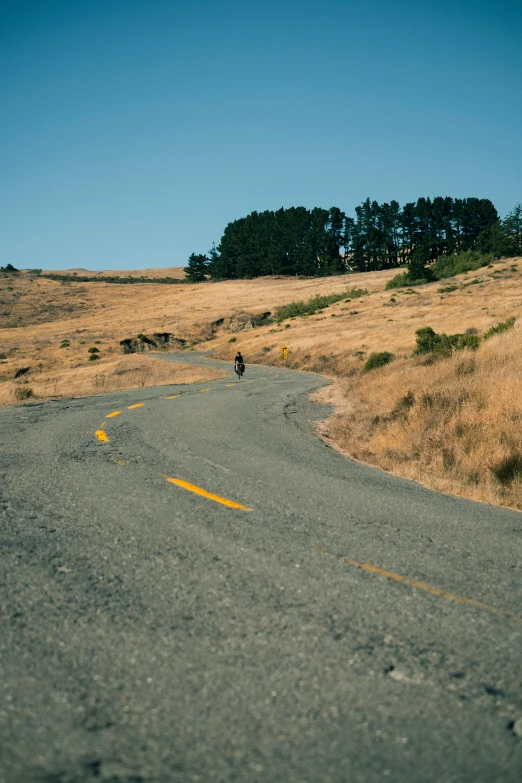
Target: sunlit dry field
{"x":452,"y":424}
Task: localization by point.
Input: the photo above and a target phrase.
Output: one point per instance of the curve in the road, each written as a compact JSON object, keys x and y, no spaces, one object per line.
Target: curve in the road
{"x":413,"y":583}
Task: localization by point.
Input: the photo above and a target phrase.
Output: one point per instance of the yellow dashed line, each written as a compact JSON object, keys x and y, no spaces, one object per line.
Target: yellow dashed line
{"x":459,"y":599}
{"x":231,"y":384}
{"x":202,"y":390}
{"x":113,"y":414}
{"x":102,"y":435}
{"x":172,"y":397}
{"x":208,"y":495}
{"x":136,"y":405}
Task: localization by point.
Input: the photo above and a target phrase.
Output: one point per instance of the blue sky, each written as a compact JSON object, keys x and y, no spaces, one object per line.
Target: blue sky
{"x":132,"y":132}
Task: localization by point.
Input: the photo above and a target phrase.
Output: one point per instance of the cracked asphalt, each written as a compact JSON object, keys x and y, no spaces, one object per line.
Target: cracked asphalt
{"x":149,"y":634}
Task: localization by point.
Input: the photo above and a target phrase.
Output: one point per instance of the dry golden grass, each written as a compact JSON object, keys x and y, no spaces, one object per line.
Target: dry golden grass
{"x":172,"y":271}
{"x":466,"y":417}
{"x":37,"y":314}
{"x":80,"y":379}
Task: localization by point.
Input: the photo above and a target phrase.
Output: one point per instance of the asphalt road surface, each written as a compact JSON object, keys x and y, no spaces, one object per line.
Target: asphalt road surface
{"x":339,"y":626}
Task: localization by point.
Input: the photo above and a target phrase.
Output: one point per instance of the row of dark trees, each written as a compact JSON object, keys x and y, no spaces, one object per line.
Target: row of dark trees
{"x":299,"y":241}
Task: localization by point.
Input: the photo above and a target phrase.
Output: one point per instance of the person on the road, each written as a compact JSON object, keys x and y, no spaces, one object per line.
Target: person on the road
{"x":239,"y":360}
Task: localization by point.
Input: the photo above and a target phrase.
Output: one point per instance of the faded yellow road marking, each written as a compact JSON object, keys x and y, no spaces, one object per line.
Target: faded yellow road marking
{"x":113,"y":414}
{"x":208,"y":495}
{"x":231,"y":384}
{"x":102,"y":435}
{"x":121,"y":462}
{"x":172,"y":397}
{"x":202,"y":390}
{"x":459,"y":599}
{"x":136,"y":405}
{"x":250,"y":381}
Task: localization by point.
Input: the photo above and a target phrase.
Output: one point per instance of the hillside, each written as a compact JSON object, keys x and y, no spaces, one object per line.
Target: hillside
{"x":453,"y":423}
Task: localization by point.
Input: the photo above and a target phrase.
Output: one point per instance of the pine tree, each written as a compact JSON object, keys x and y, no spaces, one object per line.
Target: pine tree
{"x":417,"y":268}
{"x":197,"y":268}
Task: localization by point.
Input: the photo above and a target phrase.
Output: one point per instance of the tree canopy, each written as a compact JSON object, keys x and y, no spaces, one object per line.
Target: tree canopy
{"x":320,"y":242}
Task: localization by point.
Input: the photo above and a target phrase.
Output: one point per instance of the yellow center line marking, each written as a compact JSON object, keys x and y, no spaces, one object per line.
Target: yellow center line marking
{"x":136,"y":405}
{"x":459,"y":599}
{"x":113,"y":414}
{"x":250,"y":381}
{"x":172,"y":397}
{"x":102,"y":436}
{"x":208,"y":495}
{"x":231,"y":384}
{"x":202,"y":390}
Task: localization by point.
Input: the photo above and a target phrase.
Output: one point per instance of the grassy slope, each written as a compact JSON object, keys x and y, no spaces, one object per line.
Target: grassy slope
{"x":466,"y":415}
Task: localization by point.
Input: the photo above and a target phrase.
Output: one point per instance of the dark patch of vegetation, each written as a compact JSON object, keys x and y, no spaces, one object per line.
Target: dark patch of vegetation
{"x":146,"y":340}
{"x":65,"y":344}
{"x":234,"y":339}
{"x":376,"y":360}
{"x":315,"y":304}
{"x":93,"y":350}
{"x":23,"y":393}
{"x":403,"y":405}
{"x":21,"y":371}
{"x":448,"y":289}
{"x":93,"y":357}
{"x":508,"y":469}
{"x":9,"y":269}
{"x":503,"y":326}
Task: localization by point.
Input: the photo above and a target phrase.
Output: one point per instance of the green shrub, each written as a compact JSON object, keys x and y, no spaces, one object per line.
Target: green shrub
{"x":400,"y":280}
{"x":65,"y":344}
{"x":471,"y":341}
{"x":508,"y":469}
{"x":93,"y":357}
{"x":93,"y":350}
{"x":448,"y":289}
{"x":428,"y":341}
{"x":315,"y":304}
{"x":503,"y":326}
{"x":376,"y":360}
{"x":448,"y":266}
{"x":232,"y":340}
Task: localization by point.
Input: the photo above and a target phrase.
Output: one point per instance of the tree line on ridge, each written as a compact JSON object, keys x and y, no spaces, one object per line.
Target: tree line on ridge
{"x":320,"y":242}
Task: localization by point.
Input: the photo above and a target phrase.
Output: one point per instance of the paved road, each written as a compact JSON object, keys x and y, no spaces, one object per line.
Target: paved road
{"x":351,"y":626}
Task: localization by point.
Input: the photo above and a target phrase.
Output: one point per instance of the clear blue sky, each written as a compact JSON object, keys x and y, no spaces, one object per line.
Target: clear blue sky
{"x":133,"y":131}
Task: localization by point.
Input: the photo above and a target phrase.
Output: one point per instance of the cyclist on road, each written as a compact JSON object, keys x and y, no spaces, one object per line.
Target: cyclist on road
{"x":239,"y":363}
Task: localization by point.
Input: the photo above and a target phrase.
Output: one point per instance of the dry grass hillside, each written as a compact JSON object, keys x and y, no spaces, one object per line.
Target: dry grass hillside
{"x":454,"y":423}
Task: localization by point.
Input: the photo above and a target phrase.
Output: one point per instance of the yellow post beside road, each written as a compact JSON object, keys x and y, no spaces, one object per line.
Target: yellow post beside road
{"x":284,"y":352}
